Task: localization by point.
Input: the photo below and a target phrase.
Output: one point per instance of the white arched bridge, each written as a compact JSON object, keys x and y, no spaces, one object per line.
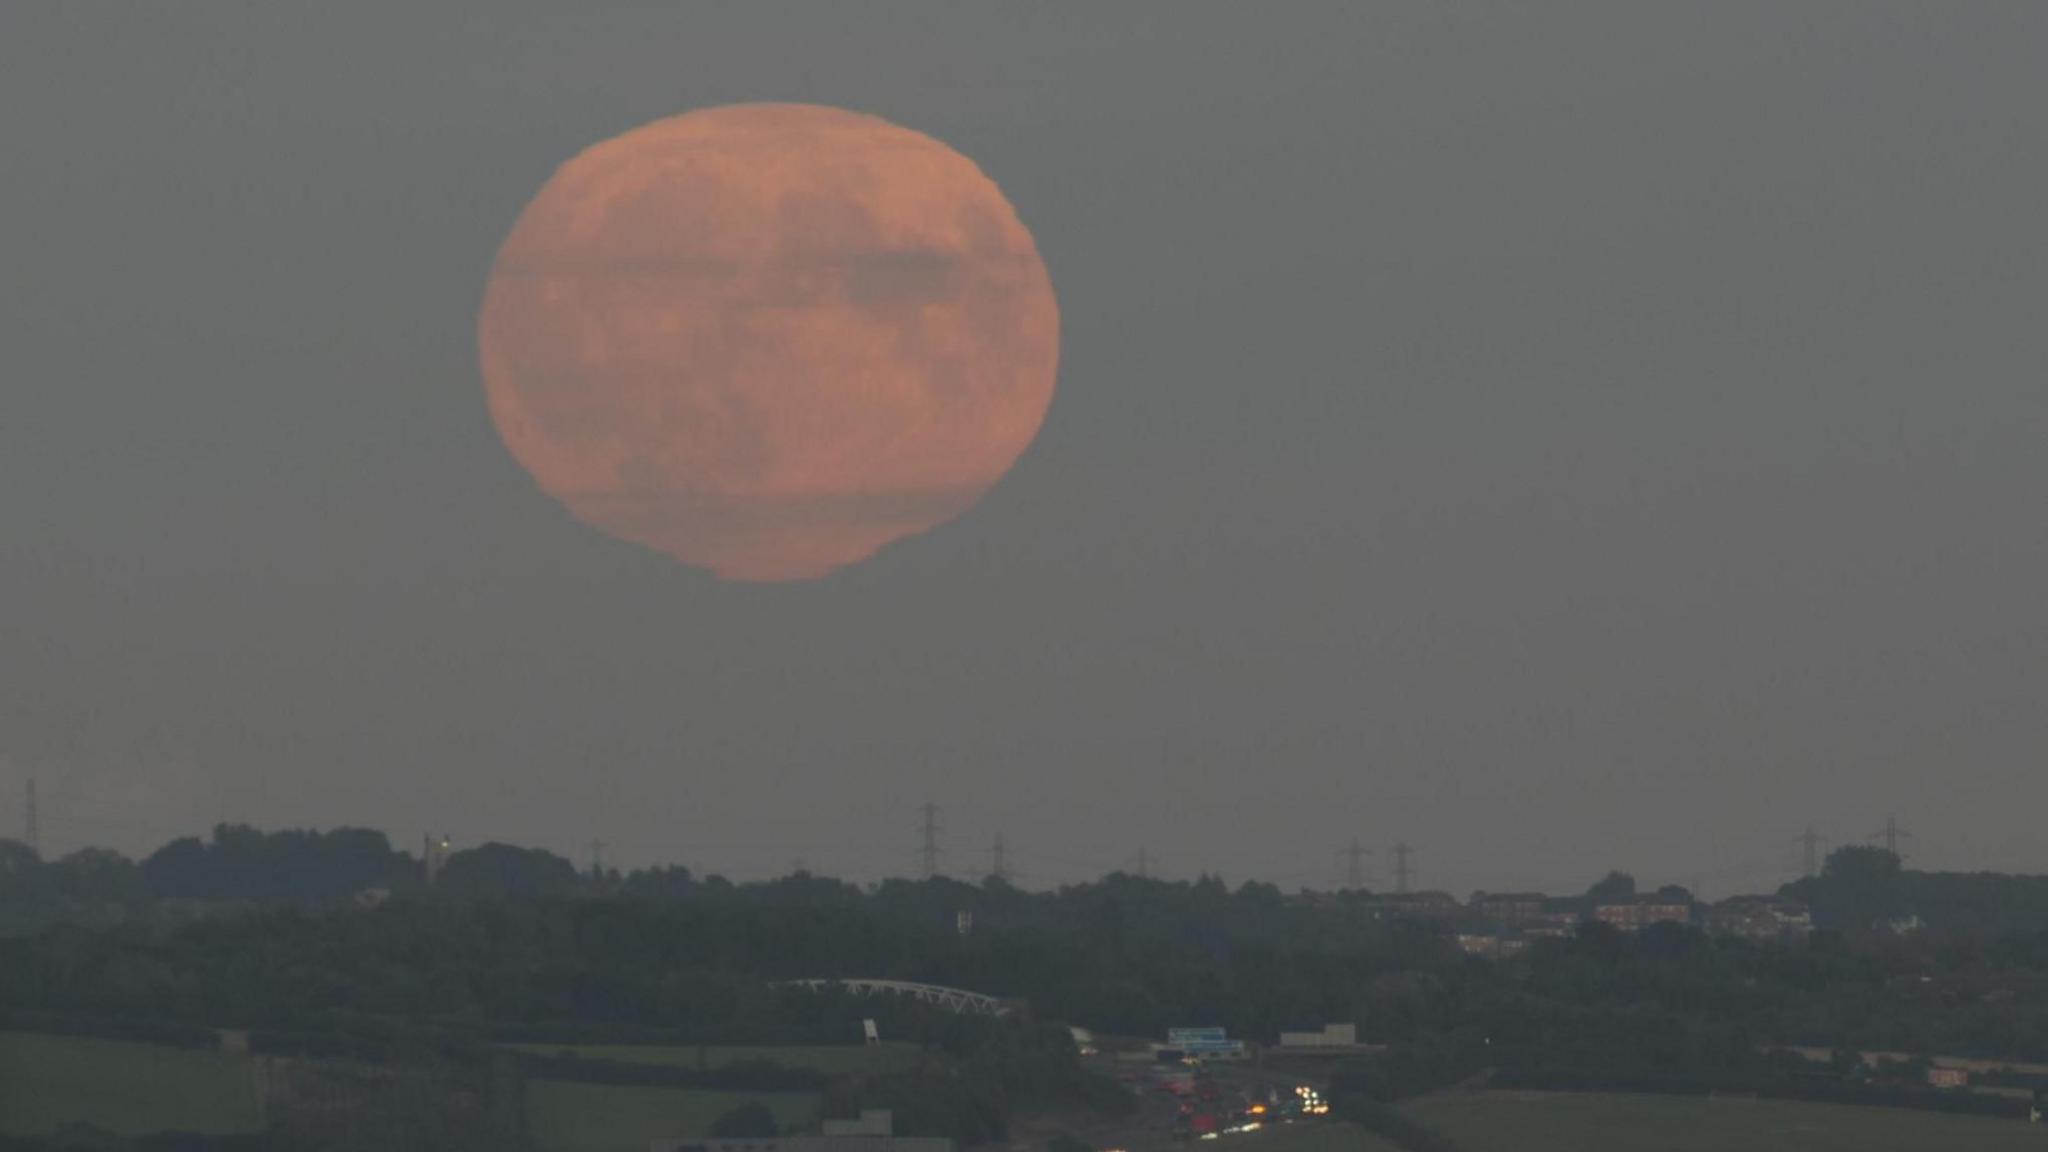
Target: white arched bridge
{"x":954,"y":999}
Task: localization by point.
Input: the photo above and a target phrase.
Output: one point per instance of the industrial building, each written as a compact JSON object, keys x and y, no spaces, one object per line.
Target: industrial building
{"x":1759,"y":918}
{"x":1639,"y":913}
{"x":1327,"y":1038}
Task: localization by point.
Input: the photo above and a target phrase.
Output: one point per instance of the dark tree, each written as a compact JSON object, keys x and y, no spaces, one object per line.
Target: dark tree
{"x":242,"y":863}
{"x":1614,"y":888}
{"x":501,"y":871}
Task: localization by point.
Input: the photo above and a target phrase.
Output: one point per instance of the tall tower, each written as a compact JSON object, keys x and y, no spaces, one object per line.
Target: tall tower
{"x":1403,"y":874}
{"x":1354,"y":864}
{"x":1892,"y":835}
{"x":32,"y":825}
{"x":1810,"y":842}
{"x":997,"y":866}
{"x":928,"y":847}
{"x":436,"y":856}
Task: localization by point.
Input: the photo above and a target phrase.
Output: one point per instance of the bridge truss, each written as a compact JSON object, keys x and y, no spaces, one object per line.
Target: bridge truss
{"x":952,"y":999}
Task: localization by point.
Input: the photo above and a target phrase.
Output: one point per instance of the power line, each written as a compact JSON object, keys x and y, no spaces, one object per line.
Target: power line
{"x":928,"y":850}
{"x":1051,"y":866}
{"x":1403,"y":874}
{"x":1354,"y":864}
{"x":32,"y":826}
{"x":1812,"y":842}
{"x":1891,"y":835}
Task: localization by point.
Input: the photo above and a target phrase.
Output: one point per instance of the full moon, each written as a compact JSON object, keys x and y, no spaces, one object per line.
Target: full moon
{"x":768,"y":339}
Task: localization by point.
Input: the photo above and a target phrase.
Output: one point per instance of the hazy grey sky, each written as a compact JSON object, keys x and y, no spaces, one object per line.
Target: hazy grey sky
{"x":1561,"y":436}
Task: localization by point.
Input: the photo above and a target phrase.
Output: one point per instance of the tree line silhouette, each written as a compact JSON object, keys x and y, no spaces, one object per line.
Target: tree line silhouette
{"x":269,"y":932}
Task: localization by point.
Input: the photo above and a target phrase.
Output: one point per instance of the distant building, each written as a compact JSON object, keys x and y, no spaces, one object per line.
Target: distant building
{"x":1792,"y":917}
{"x":1948,"y":1078}
{"x":874,"y":1131}
{"x":1510,"y":908}
{"x":1491,"y":945}
{"x":1417,"y":906}
{"x":436,"y":850}
{"x":1758,"y":918}
{"x":1643,"y":911}
{"x":1556,"y":922}
{"x":1204,"y":1043}
{"x":1327,"y":1036}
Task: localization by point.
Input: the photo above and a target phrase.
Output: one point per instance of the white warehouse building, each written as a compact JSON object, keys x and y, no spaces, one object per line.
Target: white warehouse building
{"x":1328,"y":1036}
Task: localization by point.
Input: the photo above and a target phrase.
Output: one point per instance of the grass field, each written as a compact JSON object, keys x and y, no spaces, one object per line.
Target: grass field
{"x":1329,"y":1137}
{"x":612,"y":1118}
{"x":49,"y":1081}
{"x":833,"y":1060}
{"x":1540,"y":1122}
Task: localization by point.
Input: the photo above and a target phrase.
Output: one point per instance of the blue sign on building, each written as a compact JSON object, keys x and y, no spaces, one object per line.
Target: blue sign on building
{"x":1202,"y":1042}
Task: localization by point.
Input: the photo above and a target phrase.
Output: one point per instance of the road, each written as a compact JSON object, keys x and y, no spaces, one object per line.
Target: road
{"x":1235,"y":1095}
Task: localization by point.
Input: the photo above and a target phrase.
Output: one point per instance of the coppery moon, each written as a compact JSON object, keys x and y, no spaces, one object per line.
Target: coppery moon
{"x":768,"y":339}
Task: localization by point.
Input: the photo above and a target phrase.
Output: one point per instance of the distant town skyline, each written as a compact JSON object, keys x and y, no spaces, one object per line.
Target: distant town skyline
{"x":76,"y":822}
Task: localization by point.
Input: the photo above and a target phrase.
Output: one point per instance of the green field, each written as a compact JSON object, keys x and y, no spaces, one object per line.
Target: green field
{"x":612,"y":1118}
{"x":833,"y":1060}
{"x":1542,"y":1122}
{"x":1330,"y":1137}
{"x":50,"y":1081}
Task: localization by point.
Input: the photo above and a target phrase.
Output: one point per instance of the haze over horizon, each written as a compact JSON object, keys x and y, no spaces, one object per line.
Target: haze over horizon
{"x":1566,"y":439}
